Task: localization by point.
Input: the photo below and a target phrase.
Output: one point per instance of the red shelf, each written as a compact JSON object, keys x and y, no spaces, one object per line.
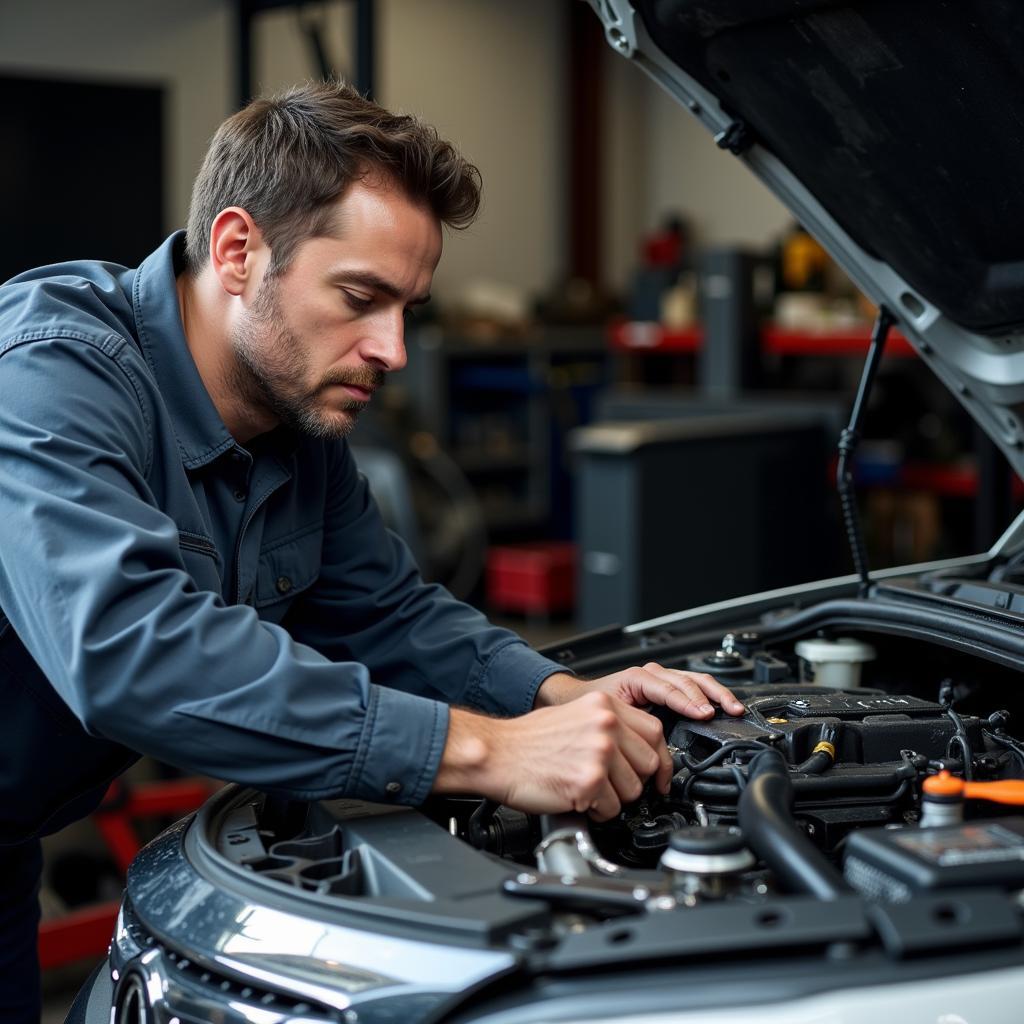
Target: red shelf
{"x":958,"y":481}
{"x":945,"y":480}
{"x":849,"y":341}
{"x":647,"y":336}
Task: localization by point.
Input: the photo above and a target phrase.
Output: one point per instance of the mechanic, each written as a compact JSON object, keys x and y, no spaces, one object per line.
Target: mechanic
{"x":191,"y":566}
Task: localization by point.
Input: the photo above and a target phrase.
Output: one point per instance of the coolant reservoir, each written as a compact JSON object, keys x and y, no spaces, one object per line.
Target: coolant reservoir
{"x":833,"y":663}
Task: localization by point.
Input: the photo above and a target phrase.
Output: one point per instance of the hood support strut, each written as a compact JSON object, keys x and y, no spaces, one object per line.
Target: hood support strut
{"x":848,"y":441}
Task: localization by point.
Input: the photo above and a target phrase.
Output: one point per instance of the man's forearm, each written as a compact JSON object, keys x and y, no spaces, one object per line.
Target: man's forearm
{"x":475,"y":741}
{"x":467,"y":753}
{"x":589,"y":754}
{"x":557,"y":689}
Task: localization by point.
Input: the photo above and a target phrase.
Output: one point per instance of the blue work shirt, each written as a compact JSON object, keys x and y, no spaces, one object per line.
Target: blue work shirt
{"x":236,"y":611}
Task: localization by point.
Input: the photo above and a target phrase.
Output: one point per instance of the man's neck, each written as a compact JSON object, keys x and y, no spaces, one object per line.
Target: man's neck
{"x":205,"y":323}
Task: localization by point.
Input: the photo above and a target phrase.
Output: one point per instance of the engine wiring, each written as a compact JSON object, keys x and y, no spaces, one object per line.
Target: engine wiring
{"x":853,"y":758}
{"x":959,"y":738}
{"x":696,"y":769}
{"x":721,"y":753}
{"x":1012,"y":746}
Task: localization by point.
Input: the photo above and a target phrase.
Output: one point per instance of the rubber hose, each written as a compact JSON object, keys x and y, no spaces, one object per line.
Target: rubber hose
{"x":715,"y":782}
{"x":821,"y":760}
{"x":765,"y":815}
{"x":815,"y":764}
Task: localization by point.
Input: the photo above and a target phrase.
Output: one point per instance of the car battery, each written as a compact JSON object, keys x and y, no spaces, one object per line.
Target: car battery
{"x":894,"y":864}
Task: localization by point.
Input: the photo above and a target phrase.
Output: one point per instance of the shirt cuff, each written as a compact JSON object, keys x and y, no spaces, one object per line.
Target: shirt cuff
{"x":506,"y":683}
{"x":400,"y":749}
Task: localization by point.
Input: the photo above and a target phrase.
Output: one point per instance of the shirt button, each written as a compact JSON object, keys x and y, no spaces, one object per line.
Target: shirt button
{"x":240,"y":495}
{"x":284,"y":584}
{"x":393,"y":788}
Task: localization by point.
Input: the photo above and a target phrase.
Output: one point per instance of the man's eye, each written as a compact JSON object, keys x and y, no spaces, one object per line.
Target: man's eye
{"x":409,"y":313}
{"x":357,"y":302}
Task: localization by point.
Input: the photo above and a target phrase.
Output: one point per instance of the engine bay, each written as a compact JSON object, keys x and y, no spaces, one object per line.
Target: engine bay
{"x":767,"y":803}
{"x":865,"y":765}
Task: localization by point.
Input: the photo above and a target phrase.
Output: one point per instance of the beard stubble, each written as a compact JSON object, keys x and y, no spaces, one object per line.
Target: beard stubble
{"x":271,"y":366}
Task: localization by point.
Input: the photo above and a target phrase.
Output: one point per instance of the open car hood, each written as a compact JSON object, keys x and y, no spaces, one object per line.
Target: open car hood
{"x":894,"y":131}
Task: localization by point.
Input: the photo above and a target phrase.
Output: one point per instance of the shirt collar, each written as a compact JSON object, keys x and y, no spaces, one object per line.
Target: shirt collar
{"x":202,"y":435}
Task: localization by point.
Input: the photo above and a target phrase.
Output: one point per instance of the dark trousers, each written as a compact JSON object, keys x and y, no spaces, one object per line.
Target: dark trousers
{"x":20,"y":870}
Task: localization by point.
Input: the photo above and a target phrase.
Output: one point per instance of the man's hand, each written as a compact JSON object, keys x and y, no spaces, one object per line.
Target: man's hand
{"x":592,"y":755}
{"x":688,"y":693}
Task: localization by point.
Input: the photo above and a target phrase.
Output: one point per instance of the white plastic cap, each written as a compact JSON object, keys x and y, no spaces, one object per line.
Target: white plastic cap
{"x":843,"y":649}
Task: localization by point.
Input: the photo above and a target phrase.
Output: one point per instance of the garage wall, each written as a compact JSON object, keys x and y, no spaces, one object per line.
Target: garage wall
{"x":504,"y":106}
{"x":660,"y":159}
{"x":689,"y":171}
{"x":486,"y":72}
{"x":180,"y":45}
{"x":628,"y":153}
{"x":489,"y":73}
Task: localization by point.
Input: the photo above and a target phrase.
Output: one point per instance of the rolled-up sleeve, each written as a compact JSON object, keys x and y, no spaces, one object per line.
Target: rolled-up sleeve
{"x":370,"y":605}
{"x":92,"y":580}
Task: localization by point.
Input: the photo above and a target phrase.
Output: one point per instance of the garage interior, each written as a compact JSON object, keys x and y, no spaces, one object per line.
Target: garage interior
{"x":626,"y":394}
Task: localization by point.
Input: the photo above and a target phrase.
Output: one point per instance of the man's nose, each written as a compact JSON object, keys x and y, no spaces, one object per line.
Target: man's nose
{"x":386,"y":345}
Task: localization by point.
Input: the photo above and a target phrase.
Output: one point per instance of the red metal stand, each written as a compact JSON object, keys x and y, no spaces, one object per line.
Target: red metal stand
{"x":86,"y":932}
{"x":77,"y":935}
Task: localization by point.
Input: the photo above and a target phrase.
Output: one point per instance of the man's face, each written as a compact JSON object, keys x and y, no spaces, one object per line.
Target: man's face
{"x":320,"y":337}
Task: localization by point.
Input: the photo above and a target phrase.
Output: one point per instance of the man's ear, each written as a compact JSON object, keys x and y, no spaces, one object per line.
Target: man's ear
{"x":235,"y":247}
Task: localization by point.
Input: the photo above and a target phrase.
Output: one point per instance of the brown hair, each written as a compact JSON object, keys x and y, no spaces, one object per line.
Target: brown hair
{"x":285,"y":159}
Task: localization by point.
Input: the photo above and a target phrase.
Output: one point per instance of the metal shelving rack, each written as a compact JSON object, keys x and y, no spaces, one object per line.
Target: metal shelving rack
{"x":494,"y":407}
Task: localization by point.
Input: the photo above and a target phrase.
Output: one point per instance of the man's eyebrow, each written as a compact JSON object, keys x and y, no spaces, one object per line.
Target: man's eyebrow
{"x":376,"y":283}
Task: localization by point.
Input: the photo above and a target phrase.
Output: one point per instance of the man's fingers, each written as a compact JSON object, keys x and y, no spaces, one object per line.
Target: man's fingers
{"x":641,"y":722}
{"x":625,"y":780}
{"x":592,"y":755}
{"x":698,"y":688}
{"x":677,"y":692}
{"x":715,"y":690}
{"x":687,"y":700}
{"x":650,"y":737}
{"x":603,"y":806}
{"x":651,"y":731}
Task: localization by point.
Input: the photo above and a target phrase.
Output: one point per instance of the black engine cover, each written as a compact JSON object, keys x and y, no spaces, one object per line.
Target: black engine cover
{"x":873,"y":727}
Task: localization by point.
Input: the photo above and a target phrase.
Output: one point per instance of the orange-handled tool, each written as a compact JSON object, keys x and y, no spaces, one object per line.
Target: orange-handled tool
{"x":1003,"y":791}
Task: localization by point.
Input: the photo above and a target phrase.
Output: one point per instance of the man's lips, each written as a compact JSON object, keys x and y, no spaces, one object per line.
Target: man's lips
{"x":357,"y":387}
{"x":352,"y":390}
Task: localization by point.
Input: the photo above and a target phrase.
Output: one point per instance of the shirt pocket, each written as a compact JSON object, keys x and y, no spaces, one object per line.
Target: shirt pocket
{"x":201,"y":559}
{"x":287,"y":568}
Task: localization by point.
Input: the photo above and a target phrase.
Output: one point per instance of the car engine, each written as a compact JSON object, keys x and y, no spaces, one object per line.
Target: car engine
{"x":841,"y":759}
{"x":805,"y":793}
